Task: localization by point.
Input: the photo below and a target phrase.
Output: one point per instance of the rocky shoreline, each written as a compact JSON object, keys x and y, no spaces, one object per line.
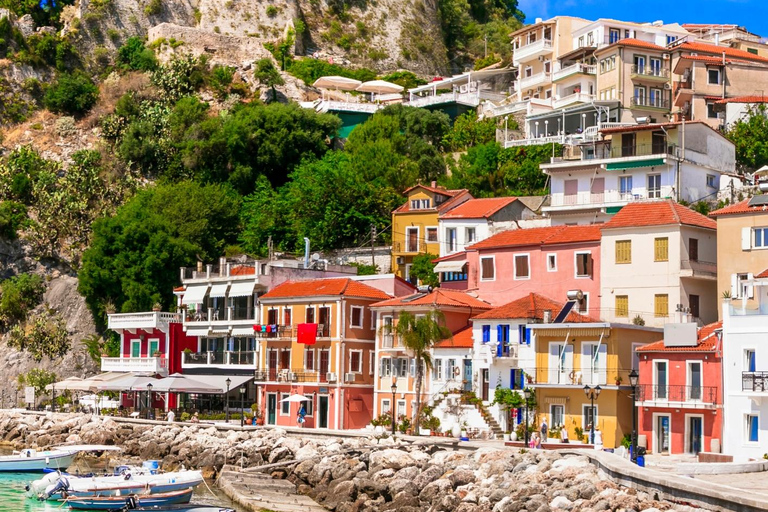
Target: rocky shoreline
{"x":356,"y":473}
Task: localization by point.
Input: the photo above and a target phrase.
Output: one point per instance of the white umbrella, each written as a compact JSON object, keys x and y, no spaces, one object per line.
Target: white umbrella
{"x":295,"y":398}
{"x":341,"y":83}
{"x":380,"y":87}
{"x":127,"y":383}
{"x":178,"y":383}
{"x":69,"y":384}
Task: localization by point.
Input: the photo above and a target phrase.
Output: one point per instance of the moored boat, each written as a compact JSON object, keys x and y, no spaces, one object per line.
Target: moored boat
{"x":29,"y":460}
{"x":131,"y":502}
{"x":52,"y":486}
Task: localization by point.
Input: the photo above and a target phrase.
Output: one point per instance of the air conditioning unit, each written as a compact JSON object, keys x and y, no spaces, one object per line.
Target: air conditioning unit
{"x":667,"y":86}
{"x":330,"y":377}
{"x":349,"y":377}
{"x":400,"y":260}
{"x":541,"y":58}
{"x":540,"y":88}
{"x":292,"y":376}
{"x":665,"y":56}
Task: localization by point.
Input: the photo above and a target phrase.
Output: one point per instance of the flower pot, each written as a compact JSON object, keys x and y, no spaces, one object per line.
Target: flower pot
{"x":513,"y":436}
{"x":456,"y":430}
{"x":424,"y":431}
{"x":506,"y":437}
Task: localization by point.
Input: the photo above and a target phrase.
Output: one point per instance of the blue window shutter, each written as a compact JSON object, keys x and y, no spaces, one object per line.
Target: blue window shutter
{"x":486,"y":333}
{"x":519,"y":416}
{"x":752,"y":362}
{"x":522,"y":379}
{"x":753,"y":429}
{"x":512,"y":379}
{"x":499,"y":333}
{"x":527,"y":335}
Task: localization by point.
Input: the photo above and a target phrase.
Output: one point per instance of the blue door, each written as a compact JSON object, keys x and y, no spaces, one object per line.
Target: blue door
{"x":695,"y":435}
{"x":467,"y":375}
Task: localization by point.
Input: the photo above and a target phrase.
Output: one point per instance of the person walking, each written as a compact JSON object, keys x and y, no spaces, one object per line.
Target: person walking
{"x":300,"y":417}
{"x":544,"y":431}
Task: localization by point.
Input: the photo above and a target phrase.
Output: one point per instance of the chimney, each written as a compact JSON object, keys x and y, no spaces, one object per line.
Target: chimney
{"x":547,"y":316}
{"x":539,"y":20}
{"x":199,"y":266}
{"x":434,"y":184}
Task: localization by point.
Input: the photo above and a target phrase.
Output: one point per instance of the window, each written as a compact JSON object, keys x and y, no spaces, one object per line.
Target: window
{"x":740,"y":287}
{"x":711,"y":114}
{"x":528,"y":72}
{"x":450,"y":369}
{"x":136,"y":348}
{"x":671,"y":39}
{"x":654,"y":186}
{"x":385,"y":406}
{"x":625,"y":186}
{"x":357,"y":316}
{"x":470,"y":235}
{"x":386,"y":367}
{"x":287,"y":316}
{"x":661,"y":249}
{"x":655,"y":98}
{"x":556,"y":415}
{"x":548,"y":94}
{"x":639,"y":95}
{"x":694,"y":380}
{"x":713,"y":76}
{"x":486,"y":333}
{"x":614,"y":35}
{"x":582,"y":306}
{"x":639,"y":64}
{"x":431,"y":234}
{"x":602,"y":67}
{"x":581,"y":41}
{"x":589,"y":417}
{"x":310,"y":314}
{"x":522,"y":270}
{"x":591,"y":39}
{"x":693,"y":304}
{"x":711,"y":181}
{"x":753,"y":51}
{"x":420,"y":204}
{"x":583,"y":264}
{"x":403,"y":367}
{"x":371,"y":361}
{"x":761,"y":237}
{"x":661,"y":304}
{"x":551,"y":262}
{"x":400,"y":408}
{"x":154,"y":347}
{"x":752,"y":428}
{"x":450,"y":234}
{"x":693,"y":249}
{"x":285,"y":407}
{"x":547,"y":66}
{"x":356,"y":361}
{"x":487,"y":268}
{"x":437,"y":369}
{"x":309,"y":405}
{"x":661,"y":379}
{"x":412,"y":239}
{"x":655,"y":67}
{"x":749,"y":360}
{"x":623,"y":251}
{"x":622,"y":306}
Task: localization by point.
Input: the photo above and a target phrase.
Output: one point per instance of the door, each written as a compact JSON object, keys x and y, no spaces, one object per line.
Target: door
{"x":135,"y":348}
{"x":661,"y":380}
{"x":486,"y":383}
{"x":658,"y":142}
{"x":662,"y":434}
{"x":694,"y":381}
{"x":654,"y":186}
{"x":271,"y":408}
{"x":413,"y":240}
{"x":693,"y":302}
{"x":324,"y":321}
{"x":467,"y":375}
{"x":628,"y":144}
{"x":322,"y":420}
{"x":639,"y":64}
{"x":597,"y":189}
{"x":272,"y":364}
{"x":694,"y":434}
{"x":571,"y":191}
{"x":324,"y":364}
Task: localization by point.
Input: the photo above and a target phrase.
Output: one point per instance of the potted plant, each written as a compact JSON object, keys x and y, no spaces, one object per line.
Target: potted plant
{"x":157,"y":353}
{"x":157,"y":307}
{"x":619,"y":380}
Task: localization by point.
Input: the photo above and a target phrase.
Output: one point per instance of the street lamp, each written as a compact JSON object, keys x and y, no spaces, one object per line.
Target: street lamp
{"x":633,"y":377}
{"x":592,"y":394}
{"x":53,"y":400}
{"x":506,"y":120}
{"x":527,"y":394}
{"x":392,"y":408}
{"x":242,"y":406}
{"x":229,"y":382}
{"x":149,"y":400}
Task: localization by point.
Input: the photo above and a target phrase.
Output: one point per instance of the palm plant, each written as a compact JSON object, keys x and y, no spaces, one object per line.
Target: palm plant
{"x":418,"y":335}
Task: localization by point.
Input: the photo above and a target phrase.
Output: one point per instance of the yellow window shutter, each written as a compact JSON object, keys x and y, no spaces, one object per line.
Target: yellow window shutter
{"x":624,"y":251}
{"x":661,"y":305}
{"x":622,"y":306}
{"x":661,"y":249}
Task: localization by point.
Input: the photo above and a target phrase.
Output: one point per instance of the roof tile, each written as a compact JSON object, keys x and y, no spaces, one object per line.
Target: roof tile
{"x":325,"y":287}
{"x":460,"y":339}
{"x":719,"y":50}
{"x":658,"y":213}
{"x":707,"y":342}
{"x":453,"y":196}
{"x":531,"y":307}
{"x":744,"y":99}
{"x":540,"y":236}
{"x":478,"y":208}
{"x":437,"y":297}
{"x":741,"y":207}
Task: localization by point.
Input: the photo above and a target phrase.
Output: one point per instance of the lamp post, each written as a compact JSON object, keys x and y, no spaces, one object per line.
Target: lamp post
{"x":633,"y":377}
{"x":242,"y":406}
{"x":592,"y":394}
{"x":149,"y":401}
{"x":226,"y":397}
{"x":527,"y":394}
{"x":392,"y":408}
{"x":506,"y":137}
{"x":53,"y":400}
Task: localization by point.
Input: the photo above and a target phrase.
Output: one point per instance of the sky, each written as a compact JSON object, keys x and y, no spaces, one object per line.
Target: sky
{"x":751,"y":14}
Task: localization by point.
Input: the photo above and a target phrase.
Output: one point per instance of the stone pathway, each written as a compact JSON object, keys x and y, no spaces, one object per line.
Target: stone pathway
{"x":257,"y":492}
{"x":755,"y":483}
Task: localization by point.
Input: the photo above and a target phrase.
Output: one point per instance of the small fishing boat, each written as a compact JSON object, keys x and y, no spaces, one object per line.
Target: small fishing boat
{"x":53,"y":486}
{"x":30,"y":460}
{"x":134,"y":501}
{"x":186,"y":508}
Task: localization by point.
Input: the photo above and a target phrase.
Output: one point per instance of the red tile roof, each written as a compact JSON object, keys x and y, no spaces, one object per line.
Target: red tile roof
{"x":478,"y":208}
{"x":763,"y":274}
{"x":460,"y":339}
{"x":540,"y":236}
{"x":652,"y":126}
{"x":243,"y":270}
{"x":741,"y":207}
{"x":719,"y":50}
{"x":707,"y":342}
{"x":744,"y":99}
{"x":532,"y":307}
{"x":658,"y":213}
{"x":324,"y":287}
{"x":714,"y":61}
{"x":179,"y":289}
{"x":437,"y":297}
{"x":453,"y":196}
{"x":637,"y":43}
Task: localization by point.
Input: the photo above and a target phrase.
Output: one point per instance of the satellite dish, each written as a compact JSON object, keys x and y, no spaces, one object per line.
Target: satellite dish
{"x":315,"y":256}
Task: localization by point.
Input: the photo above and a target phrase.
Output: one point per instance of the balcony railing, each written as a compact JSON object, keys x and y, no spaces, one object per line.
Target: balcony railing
{"x":648,"y":102}
{"x":619,"y":151}
{"x":529,"y":81}
{"x":541,"y":46}
{"x":589,"y":69}
{"x":606,"y":197}
{"x":250,"y":268}
{"x":387,"y":341}
{"x":135,"y":364}
{"x":649,"y":72}
{"x":677,"y":393}
{"x":700,"y":268}
{"x":566,"y":376}
{"x":223,"y":314}
{"x":228,"y":358}
{"x":756,"y":382}
{"x":291,"y":331}
{"x":577,"y":97}
{"x":147,"y":320}
{"x":293,"y":375}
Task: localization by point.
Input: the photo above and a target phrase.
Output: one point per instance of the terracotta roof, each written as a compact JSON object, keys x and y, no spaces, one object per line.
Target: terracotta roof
{"x":707,"y":342}
{"x":179,"y":289}
{"x":461,"y":339}
{"x":719,"y":50}
{"x":324,"y":287}
{"x":437,"y":190}
{"x":453,"y":196}
{"x":652,"y":126}
{"x":658,"y":213}
{"x":714,"y":61}
{"x":243,"y":270}
{"x":540,"y":236}
{"x":478,"y":208}
{"x":741,"y":207}
{"x":744,"y":99}
{"x":437,"y":297}
{"x":637,"y":43}
{"x":532,"y":307}
{"x":763,"y":274}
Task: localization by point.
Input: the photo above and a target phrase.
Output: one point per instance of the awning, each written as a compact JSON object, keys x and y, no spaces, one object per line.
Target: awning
{"x":242,"y":289}
{"x":557,"y":400}
{"x":219,"y":290}
{"x":219,"y":381}
{"x":620,"y":166}
{"x":611,"y":210}
{"x":242,"y":331}
{"x":197,"y":331}
{"x":450,"y":266}
{"x":194,"y":294}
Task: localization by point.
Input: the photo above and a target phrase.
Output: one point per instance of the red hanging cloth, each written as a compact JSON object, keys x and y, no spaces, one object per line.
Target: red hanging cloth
{"x":306,"y":333}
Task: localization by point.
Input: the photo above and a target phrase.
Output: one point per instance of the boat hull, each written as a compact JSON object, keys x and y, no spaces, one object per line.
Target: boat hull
{"x":38,"y":462}
{"x":120,"y":485}
{"x":120,"y":502}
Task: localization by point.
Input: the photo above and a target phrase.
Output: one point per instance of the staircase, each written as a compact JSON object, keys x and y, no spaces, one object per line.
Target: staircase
{"x":487,"y":417}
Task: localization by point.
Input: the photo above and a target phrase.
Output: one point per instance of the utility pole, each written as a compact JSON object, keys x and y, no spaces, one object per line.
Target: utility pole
{"x":486,"y":46}
{"x":373,"y":246}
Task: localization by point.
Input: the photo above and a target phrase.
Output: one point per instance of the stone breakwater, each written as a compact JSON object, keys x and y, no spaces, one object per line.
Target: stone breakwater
{"x":357,"y":474}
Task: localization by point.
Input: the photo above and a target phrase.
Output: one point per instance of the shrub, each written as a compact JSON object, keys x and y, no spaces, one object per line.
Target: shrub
{"x":45,"y":335}
{"x":136,"y":56}
{"x":153,"y":8}
{"x":271,"y":11}
{"x":19,"y":295}
{"x":65,"y":126}
{"x":220,"y":79}
{"x":13,"y":216}
{"x":72,"y":93}
{"x":182,"y":76}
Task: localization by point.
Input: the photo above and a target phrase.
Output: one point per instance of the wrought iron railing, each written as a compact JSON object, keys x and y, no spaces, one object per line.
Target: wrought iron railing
{"x":677,"y":393}
{"x":754,"y":381}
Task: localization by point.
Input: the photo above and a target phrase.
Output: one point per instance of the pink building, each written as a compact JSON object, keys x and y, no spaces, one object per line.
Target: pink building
{"x":515,"y":263}
{"x":679,"y":397}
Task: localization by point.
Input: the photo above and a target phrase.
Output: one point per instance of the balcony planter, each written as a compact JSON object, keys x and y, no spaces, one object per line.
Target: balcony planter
{"x":157,"y":307}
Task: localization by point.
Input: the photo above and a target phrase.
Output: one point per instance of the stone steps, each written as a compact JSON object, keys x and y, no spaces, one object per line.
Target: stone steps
{"x":257,"y":492}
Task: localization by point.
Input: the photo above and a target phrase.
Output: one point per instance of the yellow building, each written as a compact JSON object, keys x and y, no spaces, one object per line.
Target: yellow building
{"x":415,"y":224}
{"x":575,"y":356}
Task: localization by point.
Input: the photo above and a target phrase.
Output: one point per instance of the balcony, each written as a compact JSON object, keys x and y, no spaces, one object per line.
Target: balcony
{"x":579,"y":377}
{"x":149,"y":365}
{"x":754,"y":382}
{"x":558,"y":139}
{"x":677,"y":396}
{"x":643,"y":103}
{"x":233,"y":270}
{"x":221,"y":316}
{"x":389,"y":341}
{"x":149,"y":320}
{"x":529,"y":82}
{"x":572,"y":99}
{"x":649,"y":73}
{"x":289,"y":332}
{"x":229,"y":359}
{"x":294,"y":375}
{"x":630,"y":150}
{"x":532,"y":50}
{"x":471,"y":99}
{"x":407,"y":247}
{"x":574,"y":69}
{"x":606,"y":198}
{"x":699,"y":269}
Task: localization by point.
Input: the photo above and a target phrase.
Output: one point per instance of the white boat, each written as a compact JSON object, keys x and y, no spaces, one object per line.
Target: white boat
{"x":53,"y":485}
{"x":31,"y":460}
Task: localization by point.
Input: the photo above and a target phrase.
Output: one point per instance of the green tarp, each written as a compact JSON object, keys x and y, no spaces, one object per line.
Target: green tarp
{"x":619,"y":166}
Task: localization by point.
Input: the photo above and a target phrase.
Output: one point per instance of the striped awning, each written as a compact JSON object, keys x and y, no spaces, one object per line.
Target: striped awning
{"x":242,"y":289}
{"x":620,"y":166}
{"x":556,"y":400}
{"x":197,"y":331}
{"x":194,"y":294}
{"x":219,"y":290}
{"x":242,"y":331}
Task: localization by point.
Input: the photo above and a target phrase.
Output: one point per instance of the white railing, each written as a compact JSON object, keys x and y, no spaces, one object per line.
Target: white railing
{"x":530,"y":81}
{"x":146,"y":320}
{"x":246,"y":358}
{"x":511,"y":108}
{"x":387,"y":340}
{"x":245,"y":270}
{"x":327,"y":105}
{"x":135,"y":364}
{"x":609,"y":196}
{"x":591,"y":132}
{"x":573,"y":69}
{"x":540,"y":46}
{"x":577,"y":97}
{"x":534,"y":141}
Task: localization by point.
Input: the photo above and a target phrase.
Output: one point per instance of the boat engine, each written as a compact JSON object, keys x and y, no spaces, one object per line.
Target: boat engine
{"x":62,"y":484}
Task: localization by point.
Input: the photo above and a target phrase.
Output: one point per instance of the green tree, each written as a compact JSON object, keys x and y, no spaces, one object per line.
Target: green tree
{"x":37,"y":378}
{"x":418,"y":335}
{"x":750,"y":136}
{"x":134,"y":55}
{"x":44,"y":335}
{"x":423,"y":269}
{"x":13,"y":216}
{"x":20,"y":294}
{"x":468,"y":131}
{"x":72,"y":93}
{"x":268,"y":75}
